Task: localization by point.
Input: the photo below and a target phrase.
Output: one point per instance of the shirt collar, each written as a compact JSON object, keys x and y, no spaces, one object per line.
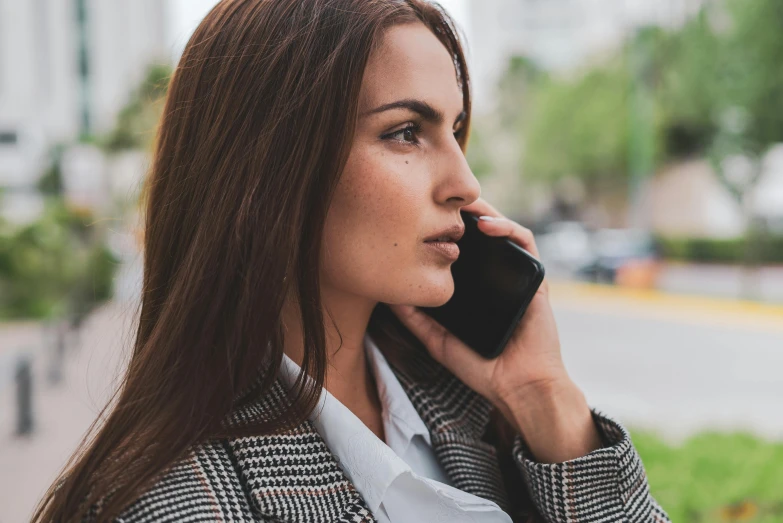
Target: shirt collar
{"x":367,"y":461}
{"x":455,"y":415}
{"x":401,"y":421}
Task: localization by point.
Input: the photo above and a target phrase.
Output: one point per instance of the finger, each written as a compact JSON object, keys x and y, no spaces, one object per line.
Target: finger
{"x":430,"y":332}
{"x":520,"y":235}
{"x":445,"y":348}
{"x":481,"y":207}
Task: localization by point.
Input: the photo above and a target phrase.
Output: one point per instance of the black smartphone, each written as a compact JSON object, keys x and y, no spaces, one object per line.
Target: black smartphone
{"x":494,"y":282}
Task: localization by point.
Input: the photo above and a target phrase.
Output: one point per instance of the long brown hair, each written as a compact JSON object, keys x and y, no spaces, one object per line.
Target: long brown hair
{"x":255,"y":132}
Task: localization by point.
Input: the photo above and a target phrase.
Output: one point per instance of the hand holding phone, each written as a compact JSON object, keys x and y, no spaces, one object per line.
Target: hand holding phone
{"x":494,"y":281}
{"x":529,"y":363}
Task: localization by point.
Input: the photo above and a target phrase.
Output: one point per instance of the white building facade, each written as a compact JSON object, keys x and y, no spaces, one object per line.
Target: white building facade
{"x":44,"y":90}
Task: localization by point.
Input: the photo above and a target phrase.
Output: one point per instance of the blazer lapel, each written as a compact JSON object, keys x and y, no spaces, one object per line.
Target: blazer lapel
{"x":457,"y":417}
{"x":293,"y":476}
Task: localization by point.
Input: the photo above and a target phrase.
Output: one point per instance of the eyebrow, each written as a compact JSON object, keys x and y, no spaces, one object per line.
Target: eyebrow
{"x":428,"y":112}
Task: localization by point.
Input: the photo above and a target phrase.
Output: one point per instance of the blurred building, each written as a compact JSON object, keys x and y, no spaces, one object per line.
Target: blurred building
{"x":66,"y":69}
{"x":687,"y":199}
{"x":557,"y":34}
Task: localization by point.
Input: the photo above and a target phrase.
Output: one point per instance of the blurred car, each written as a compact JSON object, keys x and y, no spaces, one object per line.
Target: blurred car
{"x":627,"y":257}
{"x":564,"y":246}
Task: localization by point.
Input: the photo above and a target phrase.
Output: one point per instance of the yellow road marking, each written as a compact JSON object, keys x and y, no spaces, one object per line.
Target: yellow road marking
{"x":683,"y":308}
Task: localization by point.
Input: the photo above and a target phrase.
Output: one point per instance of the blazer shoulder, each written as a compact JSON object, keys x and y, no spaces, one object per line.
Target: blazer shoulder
{"x":202,"y":486}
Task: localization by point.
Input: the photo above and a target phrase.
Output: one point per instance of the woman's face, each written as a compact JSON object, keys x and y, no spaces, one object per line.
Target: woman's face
{"x":406,"y":177}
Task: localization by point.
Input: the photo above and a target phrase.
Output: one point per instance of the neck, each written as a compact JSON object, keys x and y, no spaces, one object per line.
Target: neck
{"x":348,"y":377}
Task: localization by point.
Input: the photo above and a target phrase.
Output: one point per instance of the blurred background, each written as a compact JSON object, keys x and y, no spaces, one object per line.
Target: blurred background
{"x":641,"y":140}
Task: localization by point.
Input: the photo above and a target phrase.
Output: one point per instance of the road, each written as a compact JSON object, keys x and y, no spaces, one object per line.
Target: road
{"x":675,"y":365}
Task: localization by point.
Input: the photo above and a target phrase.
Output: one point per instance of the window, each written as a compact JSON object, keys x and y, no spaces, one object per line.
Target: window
{"x":8,"y":137}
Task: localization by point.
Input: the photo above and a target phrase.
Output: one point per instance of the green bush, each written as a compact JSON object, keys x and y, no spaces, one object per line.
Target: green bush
{"x":713,"y":250}
{"x":53,"y":266}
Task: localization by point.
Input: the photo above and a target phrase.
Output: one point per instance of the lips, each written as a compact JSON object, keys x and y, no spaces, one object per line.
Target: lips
{"x":448,"y":250}
{"x":442,"y":239}
{"x":449,"y":234}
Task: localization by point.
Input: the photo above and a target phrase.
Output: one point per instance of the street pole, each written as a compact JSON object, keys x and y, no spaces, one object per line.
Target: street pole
{"x":24,"y":396}
{"x":83,"y":68}
{"x":640,"y":119}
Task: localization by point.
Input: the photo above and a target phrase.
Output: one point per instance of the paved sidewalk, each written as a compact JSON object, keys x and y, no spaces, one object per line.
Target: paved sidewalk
{"x":62,"y":411}
{"x":764,"y":284}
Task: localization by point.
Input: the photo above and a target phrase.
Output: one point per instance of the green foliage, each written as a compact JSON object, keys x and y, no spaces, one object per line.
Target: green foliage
{"x":670,"y":89}
{"x":580,"y":127}
{"x":753,"y":51}
{"x":53,"y":266}
{"x":137,"y":121}
{"x":715,"y":477}
{"x":51,"y":182}
{"x":479,"y":158}
{"x":687,"y":90}
{"x":725,"y":59}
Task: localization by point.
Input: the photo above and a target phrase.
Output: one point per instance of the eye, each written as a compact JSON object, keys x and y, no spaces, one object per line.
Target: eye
{"x":405,"y":135}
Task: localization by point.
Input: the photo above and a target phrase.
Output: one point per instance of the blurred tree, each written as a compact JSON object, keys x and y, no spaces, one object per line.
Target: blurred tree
{"x":665,"y":96}
{"x":687,"y":91}
{"x":579,"y":127}
{"x":750,"y":55}
{"x":53,"y":267}
{"x":725,"y":59}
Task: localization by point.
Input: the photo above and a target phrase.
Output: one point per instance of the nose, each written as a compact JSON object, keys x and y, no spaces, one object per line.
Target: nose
{"x":458,"y":186}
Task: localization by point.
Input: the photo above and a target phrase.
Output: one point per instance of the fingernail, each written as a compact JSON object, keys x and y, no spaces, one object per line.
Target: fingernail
{"x":487,"y":218}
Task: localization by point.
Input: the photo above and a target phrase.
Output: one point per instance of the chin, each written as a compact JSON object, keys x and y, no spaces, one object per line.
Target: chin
{"x":437,"y":291}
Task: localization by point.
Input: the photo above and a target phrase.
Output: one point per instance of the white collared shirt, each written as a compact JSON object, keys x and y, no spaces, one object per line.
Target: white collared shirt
{"x":400,"y":479}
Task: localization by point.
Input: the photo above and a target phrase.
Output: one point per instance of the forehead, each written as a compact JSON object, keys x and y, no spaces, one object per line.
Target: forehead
{"x":411,"y":63}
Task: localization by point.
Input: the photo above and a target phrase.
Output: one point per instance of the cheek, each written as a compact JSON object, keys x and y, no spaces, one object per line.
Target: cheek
{"x":372,"y":230}
{"x":382,"y":184}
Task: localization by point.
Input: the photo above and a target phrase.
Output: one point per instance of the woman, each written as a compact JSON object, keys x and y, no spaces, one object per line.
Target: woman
{"x":308,"y":151}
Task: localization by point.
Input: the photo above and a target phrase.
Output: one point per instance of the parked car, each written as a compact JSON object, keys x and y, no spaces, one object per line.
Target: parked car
{"x":627,"y":257}
{"x":565,"y":246}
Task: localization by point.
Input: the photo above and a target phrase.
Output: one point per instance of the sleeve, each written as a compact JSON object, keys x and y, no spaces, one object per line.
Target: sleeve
{"x":607,"y":485}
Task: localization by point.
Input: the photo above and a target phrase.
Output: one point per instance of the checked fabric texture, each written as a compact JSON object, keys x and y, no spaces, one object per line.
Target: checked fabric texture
{"x":292,"y":477}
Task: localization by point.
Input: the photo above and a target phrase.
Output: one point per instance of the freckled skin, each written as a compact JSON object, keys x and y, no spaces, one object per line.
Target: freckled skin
{"x":393,"y":194}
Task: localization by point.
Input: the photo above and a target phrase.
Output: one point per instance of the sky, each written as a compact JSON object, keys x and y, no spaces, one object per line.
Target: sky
{"x":184,"y":16}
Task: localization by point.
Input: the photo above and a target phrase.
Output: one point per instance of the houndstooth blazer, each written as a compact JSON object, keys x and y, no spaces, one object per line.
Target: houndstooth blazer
{"x":293,"y":477}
